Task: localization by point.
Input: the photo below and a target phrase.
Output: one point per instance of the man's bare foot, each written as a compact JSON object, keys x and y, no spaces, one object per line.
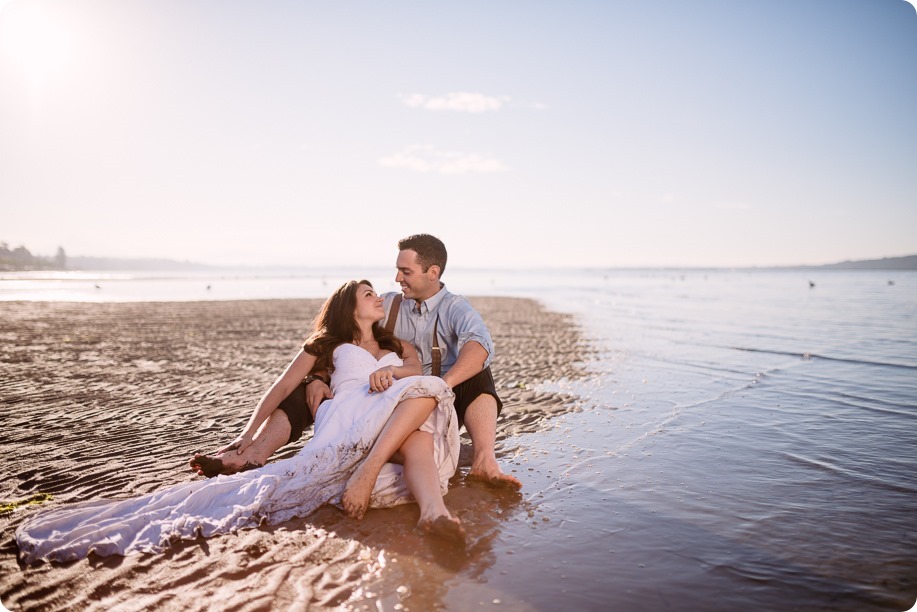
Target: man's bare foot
{"x":355,"y":498}
{"x":208,"y":466}
{"x":445,"y":529}
{"x":494,"y":478}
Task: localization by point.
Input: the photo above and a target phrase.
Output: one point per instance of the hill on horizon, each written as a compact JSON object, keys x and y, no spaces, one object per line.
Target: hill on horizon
{"x":907,"y":262}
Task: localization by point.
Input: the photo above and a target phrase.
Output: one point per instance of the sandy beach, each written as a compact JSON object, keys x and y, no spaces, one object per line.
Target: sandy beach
{"x":110,"y":400}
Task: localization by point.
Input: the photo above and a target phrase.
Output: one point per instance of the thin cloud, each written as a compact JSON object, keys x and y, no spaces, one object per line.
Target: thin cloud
{"x":427,"y":159}
{"x":733,"y":206}
{"x":459,"y":101}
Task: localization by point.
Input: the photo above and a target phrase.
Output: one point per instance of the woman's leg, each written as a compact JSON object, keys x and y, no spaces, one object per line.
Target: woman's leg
{"x":407,"y":418}
{"x":422,"y":477}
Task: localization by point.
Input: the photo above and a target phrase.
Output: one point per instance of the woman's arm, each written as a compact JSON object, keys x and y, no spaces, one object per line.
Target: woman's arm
{"x":282,"y":387}
{"x":382,"y":379}
{"x":412,"y":366}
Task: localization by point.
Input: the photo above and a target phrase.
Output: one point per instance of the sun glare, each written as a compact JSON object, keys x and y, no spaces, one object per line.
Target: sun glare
{"x":33,"y":39}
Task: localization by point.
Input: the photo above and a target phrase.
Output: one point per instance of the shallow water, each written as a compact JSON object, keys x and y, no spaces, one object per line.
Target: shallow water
{"x":752,"y":442}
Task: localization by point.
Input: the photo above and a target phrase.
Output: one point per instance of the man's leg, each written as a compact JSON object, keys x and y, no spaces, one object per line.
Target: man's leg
{"x":284,"y":425}
{"x":478,"y":406}
{"x":481,"y":424}
{"x":273,"y":433}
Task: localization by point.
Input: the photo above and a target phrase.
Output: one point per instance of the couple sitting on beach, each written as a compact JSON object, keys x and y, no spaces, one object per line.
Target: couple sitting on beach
{"x":387,"y":434}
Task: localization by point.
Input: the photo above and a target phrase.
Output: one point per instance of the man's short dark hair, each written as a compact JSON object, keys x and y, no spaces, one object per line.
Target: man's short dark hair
{"x":430,"y":250}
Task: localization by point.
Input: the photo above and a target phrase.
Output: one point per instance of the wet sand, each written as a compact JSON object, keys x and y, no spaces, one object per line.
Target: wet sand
{"x":110,"y":400}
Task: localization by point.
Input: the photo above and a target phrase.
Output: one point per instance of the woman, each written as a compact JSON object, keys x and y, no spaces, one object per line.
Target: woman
{"x":389,"y":437}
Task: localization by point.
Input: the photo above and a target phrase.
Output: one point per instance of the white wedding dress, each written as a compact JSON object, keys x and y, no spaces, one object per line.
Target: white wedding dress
{"x":345,"y":429}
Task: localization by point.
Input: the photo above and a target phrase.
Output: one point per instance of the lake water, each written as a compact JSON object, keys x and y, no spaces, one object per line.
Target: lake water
{"x":753,"y":443}
{"x":748,"y":439}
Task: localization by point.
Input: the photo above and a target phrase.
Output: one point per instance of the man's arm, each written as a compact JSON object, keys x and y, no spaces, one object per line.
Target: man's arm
{"x":469,"y":328}
{"x":281,"y":388}
{"x":475,"y":346}
{"x":471,"y":359}
{"x":318,"y":391}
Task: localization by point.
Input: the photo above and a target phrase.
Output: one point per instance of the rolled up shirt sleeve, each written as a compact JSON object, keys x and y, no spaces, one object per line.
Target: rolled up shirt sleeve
{"x":469,"y":326}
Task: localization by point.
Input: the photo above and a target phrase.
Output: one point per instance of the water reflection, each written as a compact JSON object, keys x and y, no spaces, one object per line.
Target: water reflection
{"x":418,"y":571}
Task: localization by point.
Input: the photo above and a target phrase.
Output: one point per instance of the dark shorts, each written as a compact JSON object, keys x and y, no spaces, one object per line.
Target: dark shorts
{"x":468,"y":391}
{"x":298,"y":412}
{"x":300,"y":416}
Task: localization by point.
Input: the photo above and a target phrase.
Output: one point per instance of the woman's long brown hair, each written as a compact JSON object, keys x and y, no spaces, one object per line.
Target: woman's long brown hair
{"x":336,"y":324}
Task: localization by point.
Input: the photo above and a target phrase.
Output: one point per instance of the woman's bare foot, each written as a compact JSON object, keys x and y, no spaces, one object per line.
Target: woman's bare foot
{"x":444,"y":528}
{"x":355,"y":498}
{"x":208,"y":466}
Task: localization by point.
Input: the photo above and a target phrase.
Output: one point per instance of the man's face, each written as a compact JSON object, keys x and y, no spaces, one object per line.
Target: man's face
{"x":415,"y":283}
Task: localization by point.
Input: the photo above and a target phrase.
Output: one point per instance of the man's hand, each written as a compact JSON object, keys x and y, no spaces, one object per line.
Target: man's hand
{"x":239,"y":445}
{"x":316,"y":393}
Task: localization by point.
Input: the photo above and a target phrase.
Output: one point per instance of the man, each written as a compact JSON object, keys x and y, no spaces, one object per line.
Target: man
{"x":434,"y":321}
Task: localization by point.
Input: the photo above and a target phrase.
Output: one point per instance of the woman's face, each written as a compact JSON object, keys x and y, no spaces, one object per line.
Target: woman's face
{"x":369,"y":305}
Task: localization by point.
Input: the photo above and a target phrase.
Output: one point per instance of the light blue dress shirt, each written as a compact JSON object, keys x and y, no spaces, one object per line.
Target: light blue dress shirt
{"x":459,"y":323}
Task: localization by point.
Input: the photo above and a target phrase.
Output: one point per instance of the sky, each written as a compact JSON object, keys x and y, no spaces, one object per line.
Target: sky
{"x":522,"y":133}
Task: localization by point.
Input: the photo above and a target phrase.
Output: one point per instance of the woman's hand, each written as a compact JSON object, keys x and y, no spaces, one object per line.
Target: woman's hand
{"x":382,"y":379}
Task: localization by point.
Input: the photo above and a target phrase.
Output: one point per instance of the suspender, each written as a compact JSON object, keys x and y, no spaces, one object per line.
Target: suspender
{"x":437,"y":355}
{"x":393,"y":314}
{"x":437,"y":351}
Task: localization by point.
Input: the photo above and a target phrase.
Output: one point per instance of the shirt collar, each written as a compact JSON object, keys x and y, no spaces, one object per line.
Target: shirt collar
{"x":432,"y":302}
